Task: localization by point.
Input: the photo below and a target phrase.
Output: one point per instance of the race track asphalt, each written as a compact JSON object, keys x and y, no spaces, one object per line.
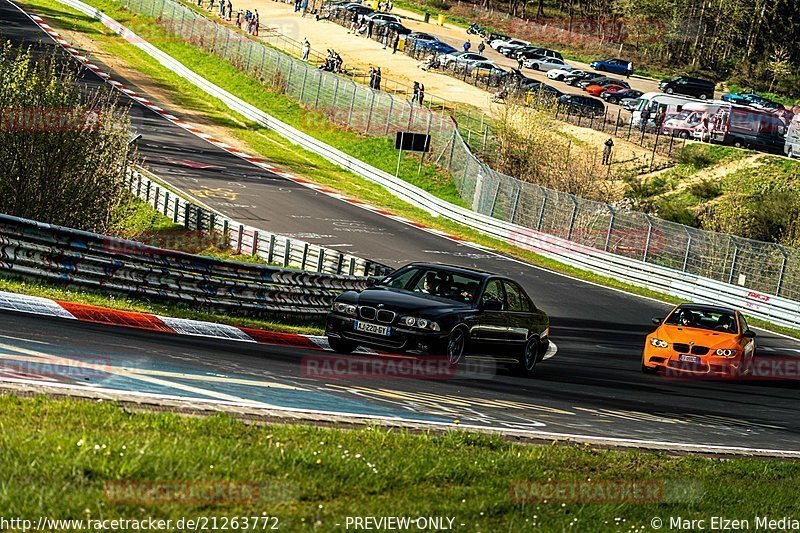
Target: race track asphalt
{"x":592,"y":386}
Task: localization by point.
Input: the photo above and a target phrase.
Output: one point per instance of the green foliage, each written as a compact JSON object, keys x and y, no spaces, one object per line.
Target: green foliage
{"x":61,"y":152}
{"x":700,"y":155}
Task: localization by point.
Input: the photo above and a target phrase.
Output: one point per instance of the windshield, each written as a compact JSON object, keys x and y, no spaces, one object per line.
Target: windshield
{"x":454,"y":286}
{"x":713,"y":320}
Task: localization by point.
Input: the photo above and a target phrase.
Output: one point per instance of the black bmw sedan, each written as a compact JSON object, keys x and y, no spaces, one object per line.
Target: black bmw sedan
{"x":441,"y":310}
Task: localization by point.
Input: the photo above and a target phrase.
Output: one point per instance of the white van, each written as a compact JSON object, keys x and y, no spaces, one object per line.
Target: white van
{"x":792,"y":146}
{"x":670,"y":103}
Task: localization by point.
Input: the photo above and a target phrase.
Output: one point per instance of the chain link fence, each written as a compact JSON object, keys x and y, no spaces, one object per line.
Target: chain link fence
{"x":765,"y":268}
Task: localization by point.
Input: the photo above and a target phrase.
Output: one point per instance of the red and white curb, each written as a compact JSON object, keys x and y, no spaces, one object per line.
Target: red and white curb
{"x":84,"y":60}
{"x":22,"y":303}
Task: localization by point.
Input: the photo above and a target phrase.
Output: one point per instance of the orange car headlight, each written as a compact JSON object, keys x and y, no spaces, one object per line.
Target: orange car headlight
{"x":725,"y":352}
{"x":658,"y":343}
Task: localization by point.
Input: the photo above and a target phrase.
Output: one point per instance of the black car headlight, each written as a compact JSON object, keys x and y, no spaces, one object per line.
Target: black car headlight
{"x":421,"y":323}
{"x":344,"y":308}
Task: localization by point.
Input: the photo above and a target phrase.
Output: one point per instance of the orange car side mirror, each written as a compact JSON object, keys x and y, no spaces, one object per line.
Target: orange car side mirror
{"x":749,"y":334}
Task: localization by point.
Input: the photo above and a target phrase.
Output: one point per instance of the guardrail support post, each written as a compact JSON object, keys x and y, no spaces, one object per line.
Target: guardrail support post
{"x":572,"y":218}
{"x":610,"y":227}
{"x":147,"y":191}
{"x":198,"y":213}
{"x":782,"y":271}
{"x":541,"y":211}
{"x":352,"y":269}
{"x":735,"y":257}
{"x":647,"y":241}
{"x":305,"y":257}
{"x":255,"y":242}
{"x":157,"y":198}
{"x":321,"y":260}
{"x":175,"y":210}
{"x":287,"y":253}
{"x":340,"y":263}
{"x":271,"y":251}
{"x":225,"y":229}
{"x":186,"y":208}
{"x":239,"y":239}
{"x":166,"y":202}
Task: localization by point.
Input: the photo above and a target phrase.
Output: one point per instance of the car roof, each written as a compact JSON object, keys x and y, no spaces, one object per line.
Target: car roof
{"x":454,"y":268}
{"x":706,"y":307}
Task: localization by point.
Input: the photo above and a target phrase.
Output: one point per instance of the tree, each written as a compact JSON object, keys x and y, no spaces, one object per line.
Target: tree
{"x":62,"y":151}
{"x":779,"y":66}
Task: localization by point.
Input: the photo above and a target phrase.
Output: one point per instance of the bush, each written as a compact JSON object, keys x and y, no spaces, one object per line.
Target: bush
{"x":62,"y":152}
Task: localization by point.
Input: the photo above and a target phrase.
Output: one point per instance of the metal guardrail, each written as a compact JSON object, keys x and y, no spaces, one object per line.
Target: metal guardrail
{"x":243,"y":239}
{"x":692,"y":264}
{"x":88,"y":260}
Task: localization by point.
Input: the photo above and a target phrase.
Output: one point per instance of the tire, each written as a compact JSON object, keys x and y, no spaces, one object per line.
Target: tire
{"x":613,"y":100}
{"x":670,"y":91}
{"x":534,"y":66}
{"x":526,"y":364}
{"x":342,"y":346}
{"x":703,"y":97}
{"x":456,"y":347}
{"x":683,"y":134}
{"x":790,"y":153}
{"x":737,"y":143}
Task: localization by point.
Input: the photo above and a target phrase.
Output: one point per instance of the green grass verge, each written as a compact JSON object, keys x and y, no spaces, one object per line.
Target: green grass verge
{"x":273,"y":147}
{"x":77,"y":459}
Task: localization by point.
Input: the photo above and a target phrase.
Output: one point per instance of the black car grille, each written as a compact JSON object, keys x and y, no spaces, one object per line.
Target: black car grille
{"x":370,"y":313}
{"x":685,"y":348}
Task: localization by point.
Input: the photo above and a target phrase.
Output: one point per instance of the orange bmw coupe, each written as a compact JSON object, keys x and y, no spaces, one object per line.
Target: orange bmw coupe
{"x":701,"y":340}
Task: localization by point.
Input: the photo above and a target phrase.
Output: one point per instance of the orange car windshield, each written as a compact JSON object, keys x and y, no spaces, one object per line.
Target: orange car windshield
{"x":703,"y":319}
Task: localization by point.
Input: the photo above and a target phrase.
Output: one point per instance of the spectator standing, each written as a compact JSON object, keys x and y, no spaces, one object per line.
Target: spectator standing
{"x":481,"y":47}
{"x":371,"y":77}
{"x":230,"y":11}
{"x":520,"y":63}
{"x":385,"y":37}
{"x":415,"y":92}
{"x":608,"y":145}
{"x":467,"y":46}
{"x":353,"y":23}
{"x":370,"y":25}
{"x":297,"y":5}
{"x":304,"y":7}
{"x":643,"y":118}
{"x":221,"y":11}
{"x":395,"y":42}
{"x":306,"y":49}
{"x":210,"y":5}
{"x":256,"y":21}
{"x":378,"y":79}
{"x":421,"y":93}
{"x":389,"y":6}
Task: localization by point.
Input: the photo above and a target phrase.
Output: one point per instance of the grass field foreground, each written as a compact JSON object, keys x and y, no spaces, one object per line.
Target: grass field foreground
{"x":82,"y":459}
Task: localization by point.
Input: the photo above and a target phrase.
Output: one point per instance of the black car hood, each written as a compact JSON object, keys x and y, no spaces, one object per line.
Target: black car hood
{"x":408,"y":302}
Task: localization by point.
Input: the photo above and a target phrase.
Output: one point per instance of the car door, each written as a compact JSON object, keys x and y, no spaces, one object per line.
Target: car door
{"x":520,"y":316}
{"x":489,"y":332}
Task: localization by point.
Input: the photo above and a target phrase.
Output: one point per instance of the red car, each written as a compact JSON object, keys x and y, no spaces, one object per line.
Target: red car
{"x":595,"y":90}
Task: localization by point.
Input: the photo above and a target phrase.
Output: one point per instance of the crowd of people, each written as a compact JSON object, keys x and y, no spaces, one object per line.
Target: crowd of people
{"x":246,"y":20}
{"x":333,"y":62}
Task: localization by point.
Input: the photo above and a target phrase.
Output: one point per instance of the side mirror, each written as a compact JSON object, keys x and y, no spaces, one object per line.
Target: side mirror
{"x":657,"y":321}
{"x":492,"y":305}
{"x":749,"y":334}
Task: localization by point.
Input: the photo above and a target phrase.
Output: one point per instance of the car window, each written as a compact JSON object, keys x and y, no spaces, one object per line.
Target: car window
{"x":440,"y":283}
{"x":700,"y":318}
{"x":493,"y":293}
{"x":400,"y":279}
{"x":742,"y":324}
{"x":517,"y":301}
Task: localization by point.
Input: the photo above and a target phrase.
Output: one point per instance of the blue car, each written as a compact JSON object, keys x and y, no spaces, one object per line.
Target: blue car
{"x":750,"y":99}
{"x":615,"y":66}
{"x":437,"y":47}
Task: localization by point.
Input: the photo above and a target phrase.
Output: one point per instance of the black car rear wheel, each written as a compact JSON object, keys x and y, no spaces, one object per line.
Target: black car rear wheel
{"x":456,"y":346}
{"x":526,"y":364}
{"x":341,"y":345}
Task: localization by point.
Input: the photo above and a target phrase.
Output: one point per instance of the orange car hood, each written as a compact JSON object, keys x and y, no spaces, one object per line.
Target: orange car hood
{"x":701,"y":337}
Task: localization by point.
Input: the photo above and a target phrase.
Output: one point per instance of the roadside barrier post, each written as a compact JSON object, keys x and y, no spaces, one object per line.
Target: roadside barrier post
{"x":271,"y":251}
{"x":287,"y":253}
{"x":239,"y":239}
{"x":305,"y":257}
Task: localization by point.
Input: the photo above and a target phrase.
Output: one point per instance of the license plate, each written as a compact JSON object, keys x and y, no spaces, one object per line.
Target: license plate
{"x":375,"y":329}
{"x":689,"y":358}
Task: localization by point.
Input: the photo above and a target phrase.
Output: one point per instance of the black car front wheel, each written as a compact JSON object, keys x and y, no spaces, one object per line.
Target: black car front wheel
{"x":456,"y":346}
{"x":341,"y":345}
{"x":526,"y":365}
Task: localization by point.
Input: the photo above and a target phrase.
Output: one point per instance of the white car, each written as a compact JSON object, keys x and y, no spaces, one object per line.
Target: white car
{"x":560,"y":73}
{"x":545,"y":63}
{"x":460,"y":58}
{"x":382,"y":18}
{"x":497,"y":44}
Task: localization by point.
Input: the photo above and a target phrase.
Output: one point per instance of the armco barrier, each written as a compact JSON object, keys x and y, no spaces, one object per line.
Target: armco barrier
{"x":44,"y":251}
{"x":641,"y":273}
{"x":273,"y":248}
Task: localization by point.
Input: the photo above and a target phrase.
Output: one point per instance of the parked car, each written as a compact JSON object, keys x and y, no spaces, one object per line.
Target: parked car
{"x":601,"y":80}
{"x":442,"y":310}
{"x":695,"y":87}
{"x":545,"y":63}
{"x":617,"y":96}
{"x":655,"y":102}
{"x":598,"y":89}
{"x":576,"y":104}
{"x":421,"y":37}
{"x":481,"y":69}
{"x":574,"y":76}
{"x":436,"y":47}
{"x":792,"y":145}
{"x":382,"y":18}
{"x":542,"y":94}
{"x":746,"y":127}
{"x":460,"y":58}
{"x":615,"y":66}
{"x":751,"y":99}
{"x":682,"y":124}
{"x":396,"y":27}
{"x":497,"y":44}
{"x":358,"y":8}
{"x":534,"y":52}
{"x":630,"y":104}
{"x":559,"y":74}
